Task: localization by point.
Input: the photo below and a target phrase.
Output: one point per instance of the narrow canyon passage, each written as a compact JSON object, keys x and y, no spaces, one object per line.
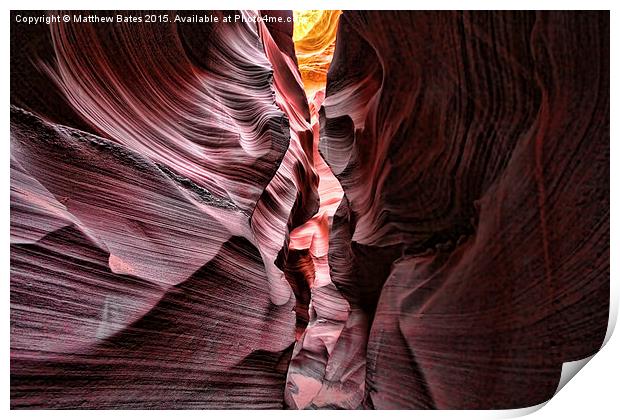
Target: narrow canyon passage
{"x":325,"y":368}
{"x":306,"y":209}
{"x":309,"y":379}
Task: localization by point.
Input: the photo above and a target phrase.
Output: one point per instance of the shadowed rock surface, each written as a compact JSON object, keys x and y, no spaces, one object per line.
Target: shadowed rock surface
{"x":473,"y":150}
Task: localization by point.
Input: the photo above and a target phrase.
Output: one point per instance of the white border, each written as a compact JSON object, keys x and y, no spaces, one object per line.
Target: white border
{"x":318,"y":4}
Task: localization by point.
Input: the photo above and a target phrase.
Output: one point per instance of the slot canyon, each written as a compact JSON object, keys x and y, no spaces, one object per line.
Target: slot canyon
{"x":307,"y":209}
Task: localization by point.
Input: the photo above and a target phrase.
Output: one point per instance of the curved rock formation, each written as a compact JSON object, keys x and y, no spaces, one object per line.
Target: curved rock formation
{"x":153,"y":244}
{"x":314,"y":35}
{"x":356,"y":210}
{"x":474,"y":235}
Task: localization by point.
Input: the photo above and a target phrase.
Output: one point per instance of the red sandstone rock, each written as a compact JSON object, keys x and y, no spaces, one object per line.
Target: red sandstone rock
{"x":178,"y":241}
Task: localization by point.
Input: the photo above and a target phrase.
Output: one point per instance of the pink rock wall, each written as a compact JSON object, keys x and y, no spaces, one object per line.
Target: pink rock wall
{"x":473,"y":153}
{"x":143,"y":257}
{"x":188,"y":230}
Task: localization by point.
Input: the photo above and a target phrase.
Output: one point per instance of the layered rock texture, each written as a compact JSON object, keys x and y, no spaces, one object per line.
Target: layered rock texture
{"x":473,"y":152}
{"x":359,"y":210}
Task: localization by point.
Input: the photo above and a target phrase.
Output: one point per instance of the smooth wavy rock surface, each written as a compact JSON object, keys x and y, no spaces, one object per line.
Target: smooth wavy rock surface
{"x":473,"y":151}
{"x":144,"y":255}
{"x":355,"y":210}
{"x":314,"y":36}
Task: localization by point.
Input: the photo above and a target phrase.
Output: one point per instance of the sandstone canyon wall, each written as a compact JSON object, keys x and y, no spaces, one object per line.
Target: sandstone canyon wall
{"x":356,"y":210}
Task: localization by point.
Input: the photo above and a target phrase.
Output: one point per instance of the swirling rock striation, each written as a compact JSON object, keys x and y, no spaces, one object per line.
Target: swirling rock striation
{"x":144,"y":240}
{"x":197,"y":221}
{"x":473,"y":236}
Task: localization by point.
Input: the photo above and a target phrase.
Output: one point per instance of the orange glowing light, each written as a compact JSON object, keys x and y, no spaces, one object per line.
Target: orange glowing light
{"x":314,"y":35}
